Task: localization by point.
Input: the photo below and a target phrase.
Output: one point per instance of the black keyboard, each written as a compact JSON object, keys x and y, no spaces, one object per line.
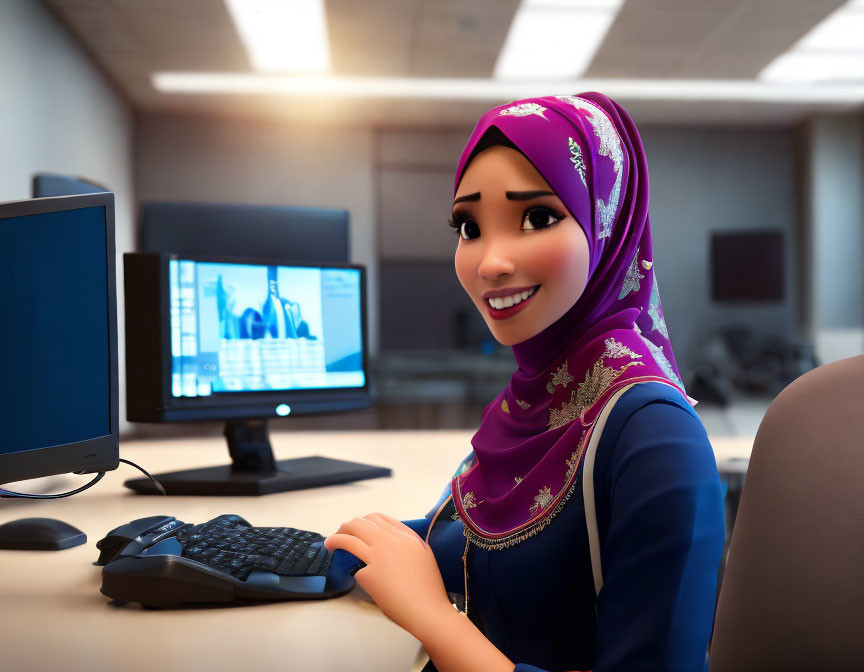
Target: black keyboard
{"x":163,"y":562}
{"x":238,"y":550}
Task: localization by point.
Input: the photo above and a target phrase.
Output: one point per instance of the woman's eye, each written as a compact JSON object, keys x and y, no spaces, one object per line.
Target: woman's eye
{"x":540,"y":218}
{"x":467,"y":230}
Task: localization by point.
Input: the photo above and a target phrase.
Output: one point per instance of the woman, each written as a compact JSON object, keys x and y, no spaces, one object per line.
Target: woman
{"x":585,"y":529}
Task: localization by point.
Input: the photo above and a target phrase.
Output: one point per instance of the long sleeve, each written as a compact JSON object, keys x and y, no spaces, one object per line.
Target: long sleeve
{"x":662,"y":499}
{"x":660,"y":516}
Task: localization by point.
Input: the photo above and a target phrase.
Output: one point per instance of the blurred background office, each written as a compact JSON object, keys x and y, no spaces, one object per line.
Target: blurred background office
{"x":752,"y":113}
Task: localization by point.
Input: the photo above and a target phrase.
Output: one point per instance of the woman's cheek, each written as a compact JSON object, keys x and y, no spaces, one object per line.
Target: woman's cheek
{"x":466,"y":270}
{"x":562,"y":267}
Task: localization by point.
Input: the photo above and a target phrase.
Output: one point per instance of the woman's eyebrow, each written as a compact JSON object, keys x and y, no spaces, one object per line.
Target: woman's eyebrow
{"x":469,"y":197}
{"x":526,"y":195}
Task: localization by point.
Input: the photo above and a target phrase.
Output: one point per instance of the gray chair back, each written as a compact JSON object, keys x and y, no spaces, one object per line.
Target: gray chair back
{"x":793,"y":592}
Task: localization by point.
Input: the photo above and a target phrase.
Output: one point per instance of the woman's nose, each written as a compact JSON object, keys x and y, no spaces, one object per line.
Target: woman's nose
{"x":496,"y":263}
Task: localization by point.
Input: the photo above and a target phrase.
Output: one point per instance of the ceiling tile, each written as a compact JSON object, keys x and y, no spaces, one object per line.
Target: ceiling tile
{"x":713,"y":38}
{"x":459,"y":39}
{"x":371,"y":38}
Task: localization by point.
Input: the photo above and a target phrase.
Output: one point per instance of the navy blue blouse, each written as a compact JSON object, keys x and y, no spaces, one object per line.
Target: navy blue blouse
{"x":660,"y":520}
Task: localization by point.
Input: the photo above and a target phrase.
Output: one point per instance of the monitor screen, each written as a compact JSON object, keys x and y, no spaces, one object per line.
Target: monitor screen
{"x":58,"y":339}
{"x":247,"y":327}
{"x":318,"y":235}
{"x":54,"y":343}
{"x":747,"y":266}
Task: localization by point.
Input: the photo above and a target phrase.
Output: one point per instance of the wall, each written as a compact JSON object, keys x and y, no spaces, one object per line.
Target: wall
{"x":834,"y":177}
{"x":237,"y":161}
{"x":60,"y":114}
{"x":719,"y":179}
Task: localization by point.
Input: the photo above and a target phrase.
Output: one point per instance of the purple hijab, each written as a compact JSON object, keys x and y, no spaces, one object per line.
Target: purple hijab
{"x":532,"y":436}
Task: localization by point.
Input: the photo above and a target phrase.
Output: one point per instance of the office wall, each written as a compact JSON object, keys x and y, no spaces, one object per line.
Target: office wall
{"x":60,"y":114}
{"x":719,"y":179}
{"x":183,"y":158}
{"x":702,"y":180}
{"x":835,"y":219}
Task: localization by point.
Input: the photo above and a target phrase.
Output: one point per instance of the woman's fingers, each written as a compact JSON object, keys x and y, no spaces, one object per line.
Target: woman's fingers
{"x":396,"y":526}
{"x":390,"y":520}
{"x":362,"y":528}
{"x":348,"y":543}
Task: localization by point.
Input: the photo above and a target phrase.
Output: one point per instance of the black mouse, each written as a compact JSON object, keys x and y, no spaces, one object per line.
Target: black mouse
{"x":39,"y":534}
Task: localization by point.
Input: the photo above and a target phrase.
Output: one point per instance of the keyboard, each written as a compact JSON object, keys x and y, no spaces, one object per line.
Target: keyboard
{"x":163,"y":562}
{"x":237,"y":549}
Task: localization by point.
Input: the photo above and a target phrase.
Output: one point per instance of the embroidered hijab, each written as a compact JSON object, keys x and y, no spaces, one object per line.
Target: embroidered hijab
{"x":532,"y":436}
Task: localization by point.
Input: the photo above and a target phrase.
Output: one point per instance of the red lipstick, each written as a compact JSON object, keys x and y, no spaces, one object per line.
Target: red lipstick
{"x":504,"y":313}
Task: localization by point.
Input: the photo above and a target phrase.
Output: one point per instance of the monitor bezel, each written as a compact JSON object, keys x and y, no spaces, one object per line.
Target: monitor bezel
{"x":99,"y":453}
{"x":256,"y":404}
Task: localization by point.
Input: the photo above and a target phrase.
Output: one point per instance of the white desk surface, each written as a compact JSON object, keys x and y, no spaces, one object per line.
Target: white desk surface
{"x":53,"y":617}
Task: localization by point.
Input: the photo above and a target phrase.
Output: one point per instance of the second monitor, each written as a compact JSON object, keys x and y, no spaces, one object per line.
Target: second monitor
{"x":244,"y":341}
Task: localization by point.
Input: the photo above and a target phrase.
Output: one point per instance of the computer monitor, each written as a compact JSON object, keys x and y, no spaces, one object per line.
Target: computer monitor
{"x":222,"y":229}
{"x":52,"y":184}
{"x":58,"y":337}
{"x":747,"y":266}
{"x":244,"y":340}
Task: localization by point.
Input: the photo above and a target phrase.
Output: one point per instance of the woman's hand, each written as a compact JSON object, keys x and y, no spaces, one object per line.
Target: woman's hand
{"x":401,"y":574}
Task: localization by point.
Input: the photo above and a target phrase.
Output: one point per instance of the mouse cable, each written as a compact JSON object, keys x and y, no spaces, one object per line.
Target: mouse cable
{"x":8,"y":494}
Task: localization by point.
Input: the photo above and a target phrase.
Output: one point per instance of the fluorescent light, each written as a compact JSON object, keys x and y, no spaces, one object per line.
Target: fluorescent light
{"x":554,"y":39}
{"x":843,"y":30}
{"x":805,"y":66}
{"x":832,"y":51}
{"x":499,"y":90}
{"x":283,"y":35}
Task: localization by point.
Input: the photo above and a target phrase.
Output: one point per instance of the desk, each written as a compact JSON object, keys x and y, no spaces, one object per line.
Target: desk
{"x":53,"y":617}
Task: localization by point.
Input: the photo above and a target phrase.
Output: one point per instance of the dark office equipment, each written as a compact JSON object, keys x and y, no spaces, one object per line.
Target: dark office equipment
{"x":242,"y":341}
{"x":40,"y":534}
{"x":747,"y":266}
{"x":169,"y":563}
{"x":50,"y":184}
{"x":223,"y":230}
{"x":58,"y":344}
{"x":739,"y":359}
{"x":423,"y":307}
{"x":58,"y":338}
{"x":794,"y":583}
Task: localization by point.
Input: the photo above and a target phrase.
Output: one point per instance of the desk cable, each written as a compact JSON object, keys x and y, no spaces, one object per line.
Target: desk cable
{"x":22,"y":495}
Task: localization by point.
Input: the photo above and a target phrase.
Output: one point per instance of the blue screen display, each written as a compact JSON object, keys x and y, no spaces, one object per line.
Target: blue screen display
{"x":54,"y":320}
{"x":251,"y":328}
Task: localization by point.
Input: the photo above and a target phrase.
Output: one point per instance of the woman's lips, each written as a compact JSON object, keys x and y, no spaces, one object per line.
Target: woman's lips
{"x":499,"y":296}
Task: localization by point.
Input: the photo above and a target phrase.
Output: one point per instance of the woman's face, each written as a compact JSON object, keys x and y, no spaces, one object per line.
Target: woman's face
{"x":522,"y":257}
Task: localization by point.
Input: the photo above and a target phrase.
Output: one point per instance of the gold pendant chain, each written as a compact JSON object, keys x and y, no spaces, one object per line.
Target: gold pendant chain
{"x":465,"y":571}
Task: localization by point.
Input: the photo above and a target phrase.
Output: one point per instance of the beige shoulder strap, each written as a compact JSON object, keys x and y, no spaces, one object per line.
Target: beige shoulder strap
{"x":588,"y":488}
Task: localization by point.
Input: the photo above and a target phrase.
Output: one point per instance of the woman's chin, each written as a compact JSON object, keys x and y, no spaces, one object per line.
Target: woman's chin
{"x":511,"y":336}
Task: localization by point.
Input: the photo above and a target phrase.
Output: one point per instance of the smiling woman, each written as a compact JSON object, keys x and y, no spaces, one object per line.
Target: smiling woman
{"x":520,"y":251}
{"x":585,"y":528}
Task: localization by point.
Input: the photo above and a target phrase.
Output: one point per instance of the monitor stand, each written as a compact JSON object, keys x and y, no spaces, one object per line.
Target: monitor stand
{"x":254,"y":471}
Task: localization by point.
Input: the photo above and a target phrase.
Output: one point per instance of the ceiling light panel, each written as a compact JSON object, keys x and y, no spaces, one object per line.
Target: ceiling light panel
{"x":843,"y":29}
{"x":804,"y":66}
{"x":283,"y":35}
{"x":554,"y":39}
{"x":833,"y":51}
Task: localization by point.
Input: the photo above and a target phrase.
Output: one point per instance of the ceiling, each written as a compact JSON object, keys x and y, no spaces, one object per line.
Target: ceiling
{"x":656,"y":39}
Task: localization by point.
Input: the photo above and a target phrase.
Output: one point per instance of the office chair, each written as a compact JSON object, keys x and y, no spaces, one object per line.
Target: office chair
{"x":793,"y":593}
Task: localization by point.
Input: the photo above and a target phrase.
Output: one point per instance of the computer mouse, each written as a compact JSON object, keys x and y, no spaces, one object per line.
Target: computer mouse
{"x":40,"y":534}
